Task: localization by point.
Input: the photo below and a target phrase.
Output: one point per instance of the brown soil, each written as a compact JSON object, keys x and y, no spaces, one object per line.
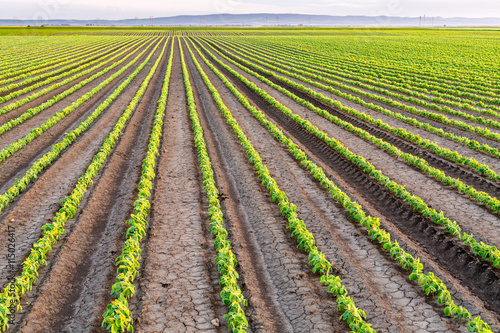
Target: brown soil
{"x":179,"y":283}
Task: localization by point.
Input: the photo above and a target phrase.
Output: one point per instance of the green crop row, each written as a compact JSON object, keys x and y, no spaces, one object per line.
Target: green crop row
{"x":21,"y":58}
{"x":35,"y":61}
{"x":454,"y":156}
{"x":427,"y":114}
{"x":354,"y":80}
{"x":473,"y":144}
{"x":445,"y":96}
{"x":54,"y":99}
{"x":451,"y":60}
{"x":84,"y":64}
{"x":431,"y":284}
{"x":117,"y":317}
{"x":380,"y":71}
{"x":51,"y":64}
{"x":226,"y":260}
{"x":354,"y":316}
{"x":54,"y":230}
{"x":40,"y":165}
{"x":453,"y":92}
{"x":72,"y":62}
{"x":36,"y":132}
{"x":491,"y":253}
{"x":480,"y":197}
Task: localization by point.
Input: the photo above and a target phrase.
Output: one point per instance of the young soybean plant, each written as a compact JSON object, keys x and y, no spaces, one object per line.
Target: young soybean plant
{"x":54,"y":230}
{"x":118,"y":317}
{"x":226,"y":261}
{"x":430,"y":283}
{"x":354,"y":316}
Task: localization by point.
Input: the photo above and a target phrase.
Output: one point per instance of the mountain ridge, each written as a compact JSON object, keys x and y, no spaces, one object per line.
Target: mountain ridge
{"x":273,"y":19}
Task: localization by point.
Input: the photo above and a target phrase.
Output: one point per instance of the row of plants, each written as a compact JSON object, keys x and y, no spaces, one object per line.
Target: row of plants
{"x":15,"y":50}
{"x":488,"y":252}
{"x":23,"y":48}
{"x":22,"y":55}
{"x":42,"y":163}
{"x":22,"y":65}
{"x":54,"y":230}
{"x":394,"y":68}
{"x":42,"y":92}
{"x":117,"y":317}
{"x":451,"y":97}
{"x":53,"y":63}
{"x":480,"y":197}
{"x":81,"y":66}
{"x":470,"y":143}
{"x":231,"y":294}
{"x":36,"y":132}
{"x":451,"y":60}
{"x":414,"y":97}
{"x":88,"y":55}
{"x":454,"y":156}
{"x":421,"y":112}
{"x":402,"y":78}
{"x":430,"y":283}
{"x":420,"y":77}
{"x":354,"y":316}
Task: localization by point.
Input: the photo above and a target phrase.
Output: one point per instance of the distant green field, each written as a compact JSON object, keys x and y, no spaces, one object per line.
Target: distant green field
{"x":457,"y":51}
{"x":472,"y":51}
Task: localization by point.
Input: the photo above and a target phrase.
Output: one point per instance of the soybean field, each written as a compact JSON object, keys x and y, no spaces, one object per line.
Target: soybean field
{"x":249,"y":180}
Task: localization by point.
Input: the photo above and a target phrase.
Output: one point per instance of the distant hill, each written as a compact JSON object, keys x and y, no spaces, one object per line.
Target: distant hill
{"x":275,"y":20}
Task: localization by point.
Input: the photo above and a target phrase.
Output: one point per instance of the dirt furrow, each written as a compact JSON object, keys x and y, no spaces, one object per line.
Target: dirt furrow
{"x":179,"y":289}
{"x":292,"y":293}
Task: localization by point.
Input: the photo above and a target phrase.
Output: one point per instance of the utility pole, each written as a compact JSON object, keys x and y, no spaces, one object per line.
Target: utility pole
{"x":424,"y":21}
{"x":277,"y":20}
{"x":420,"y":22}
{"x":136,"y":21}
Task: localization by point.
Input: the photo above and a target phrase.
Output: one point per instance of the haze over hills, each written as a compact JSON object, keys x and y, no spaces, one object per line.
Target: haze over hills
{"x":272,"y":20}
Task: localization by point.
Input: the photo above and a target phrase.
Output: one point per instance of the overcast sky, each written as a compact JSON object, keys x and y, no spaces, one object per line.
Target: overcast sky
{"x":119,"y":9}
